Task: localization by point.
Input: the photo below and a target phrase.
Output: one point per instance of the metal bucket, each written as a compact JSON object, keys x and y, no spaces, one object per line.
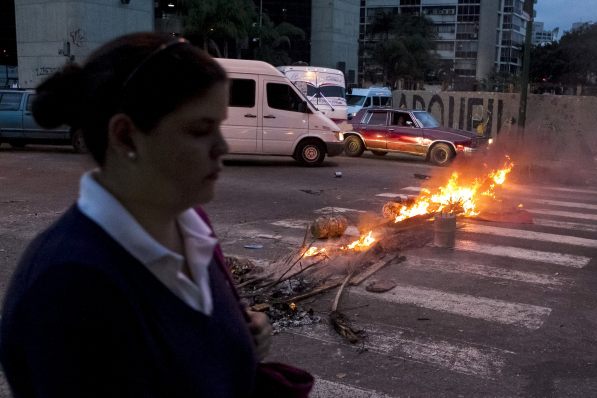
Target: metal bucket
{"x":444,"y":230}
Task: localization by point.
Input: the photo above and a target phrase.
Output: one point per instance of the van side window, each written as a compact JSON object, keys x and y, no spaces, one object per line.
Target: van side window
{"x":367,"y":102}
{"x":10,"y":101}
{"x":385,"y":101}
{"x":282,"y":96}
{"x":242,"y":93}
{"x":375,"y":101}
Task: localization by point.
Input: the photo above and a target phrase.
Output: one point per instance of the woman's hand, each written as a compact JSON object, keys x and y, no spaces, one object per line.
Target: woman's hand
{"x":262,"y":333}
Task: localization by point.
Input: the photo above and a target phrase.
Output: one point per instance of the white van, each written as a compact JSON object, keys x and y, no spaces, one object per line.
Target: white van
{"x":268,"y":115}
{"x":360,"y":98}
{"x":324,"y":87}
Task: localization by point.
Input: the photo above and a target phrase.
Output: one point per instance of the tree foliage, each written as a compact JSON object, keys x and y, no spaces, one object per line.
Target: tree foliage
{"x":404,"y":50}
{"x":571,"y":61}
{"x":275,"y":41}
{"x":219,"y":23}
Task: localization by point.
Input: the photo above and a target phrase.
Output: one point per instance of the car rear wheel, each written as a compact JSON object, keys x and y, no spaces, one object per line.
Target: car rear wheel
{"x":353,"y":146}
{"x":379,"y":153}
{"x":441,"y":154}
{"x":310,"y":153}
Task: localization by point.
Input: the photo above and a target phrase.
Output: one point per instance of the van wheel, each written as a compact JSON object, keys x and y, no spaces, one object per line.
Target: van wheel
{"x":379,"y":153}
{"x":310,"y":153}
{"x":353,"y":146}
{"x":78,"y":141}
{"x":441,"y":154}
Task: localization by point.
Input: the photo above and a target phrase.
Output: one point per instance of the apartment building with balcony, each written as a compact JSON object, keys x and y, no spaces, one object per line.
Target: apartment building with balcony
{"x":473,"y":38}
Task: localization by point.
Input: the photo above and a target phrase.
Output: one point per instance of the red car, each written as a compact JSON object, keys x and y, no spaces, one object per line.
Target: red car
{"x":414,"y":132}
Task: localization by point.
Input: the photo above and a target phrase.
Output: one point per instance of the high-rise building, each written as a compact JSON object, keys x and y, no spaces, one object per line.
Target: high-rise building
{"x":474,"y":37}
{"x":541,"y":36}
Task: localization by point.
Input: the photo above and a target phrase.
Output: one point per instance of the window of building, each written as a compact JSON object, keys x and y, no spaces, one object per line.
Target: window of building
{"x":444,"y":45}
{"x":444,"y":28}
{"x":242,"y":93}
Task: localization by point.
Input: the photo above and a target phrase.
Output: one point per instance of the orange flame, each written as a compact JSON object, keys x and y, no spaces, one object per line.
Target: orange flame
{"x":361,"y":244}
{"x":314,"y":251}
{"x":456,"y":196}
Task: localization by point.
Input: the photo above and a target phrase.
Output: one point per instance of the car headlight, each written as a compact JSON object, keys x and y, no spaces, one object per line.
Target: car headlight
{"x":490,"y":141}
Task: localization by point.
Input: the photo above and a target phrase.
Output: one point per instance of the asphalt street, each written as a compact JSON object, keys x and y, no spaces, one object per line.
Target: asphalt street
{"x":509,"y":311}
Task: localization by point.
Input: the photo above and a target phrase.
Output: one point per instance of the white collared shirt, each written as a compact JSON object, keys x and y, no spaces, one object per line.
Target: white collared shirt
{"x":105,"y":210}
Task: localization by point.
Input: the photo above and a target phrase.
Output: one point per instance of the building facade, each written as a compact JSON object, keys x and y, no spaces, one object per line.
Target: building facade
{"x":334,"y":36}
{"x":51,"y":33}
{"x":541,"y":36}
{"x":473,"y":37}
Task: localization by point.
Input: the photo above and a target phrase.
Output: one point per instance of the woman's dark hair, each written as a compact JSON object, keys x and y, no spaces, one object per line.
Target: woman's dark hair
{"x":145,"y":75}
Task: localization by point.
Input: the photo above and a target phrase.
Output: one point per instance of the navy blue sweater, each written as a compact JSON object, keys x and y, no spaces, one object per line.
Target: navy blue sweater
{"x":83,"y":318}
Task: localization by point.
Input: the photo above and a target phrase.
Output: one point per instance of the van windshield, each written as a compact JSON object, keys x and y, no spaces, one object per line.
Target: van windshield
{"x":354,"y":100}
{"x":325,"y":91}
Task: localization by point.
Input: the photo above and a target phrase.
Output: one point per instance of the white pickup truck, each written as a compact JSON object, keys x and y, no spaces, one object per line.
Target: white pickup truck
{"x":18,"y":128}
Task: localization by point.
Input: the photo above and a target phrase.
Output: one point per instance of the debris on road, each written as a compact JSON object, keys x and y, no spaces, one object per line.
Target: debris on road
{"x":253,"y":246}
{"x":329,"y":226}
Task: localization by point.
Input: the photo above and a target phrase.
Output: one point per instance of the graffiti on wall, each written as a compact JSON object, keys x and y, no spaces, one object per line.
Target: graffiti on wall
{"x":45,"y":70}
{"x":77,"y":37}
{"x":472,"y":111}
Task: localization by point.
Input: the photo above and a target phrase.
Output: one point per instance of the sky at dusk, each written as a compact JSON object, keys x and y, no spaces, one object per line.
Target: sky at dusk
{"x":563,"y":13}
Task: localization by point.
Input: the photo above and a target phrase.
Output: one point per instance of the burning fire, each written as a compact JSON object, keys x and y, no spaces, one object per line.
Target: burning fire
{"x":314,"y":251}
{"x":361,"y":244}
{"x":456,"y":196}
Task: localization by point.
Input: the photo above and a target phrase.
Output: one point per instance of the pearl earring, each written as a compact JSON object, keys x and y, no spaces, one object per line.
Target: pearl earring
{"x":131,"y":155}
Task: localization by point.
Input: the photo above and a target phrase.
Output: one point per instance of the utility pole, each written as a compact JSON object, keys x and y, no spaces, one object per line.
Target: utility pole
{"x":526,"y":64}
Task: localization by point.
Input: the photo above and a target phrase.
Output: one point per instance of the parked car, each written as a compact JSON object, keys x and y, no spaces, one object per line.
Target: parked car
{"x":414,"y":132}
{"x":18,"y":128}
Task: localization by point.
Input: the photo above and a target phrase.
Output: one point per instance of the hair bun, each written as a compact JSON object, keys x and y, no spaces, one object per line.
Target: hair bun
{"x":59,"y":97}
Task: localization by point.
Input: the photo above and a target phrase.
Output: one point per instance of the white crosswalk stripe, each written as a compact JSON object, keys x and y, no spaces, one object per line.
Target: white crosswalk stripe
{"x":545,"y":222}
{"x":561,"y":203}
{"x":568,"y":214}
{"x":533,"y":189}
{"x":566,"y":260}
{"x":526,"y":234}
{"x":491,"y":310}
{"x":456,"y":356}
{"x":330,"y":389}
{"x":485,"y":271}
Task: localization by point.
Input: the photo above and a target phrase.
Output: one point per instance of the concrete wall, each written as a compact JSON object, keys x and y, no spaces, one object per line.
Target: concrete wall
{"x":558,"y":127}
{"x":335,"y":34}
{"x":50,"y":33}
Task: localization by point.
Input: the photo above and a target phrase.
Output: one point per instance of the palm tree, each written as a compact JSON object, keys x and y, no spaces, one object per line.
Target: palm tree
{"x":275,"y":41}
{"x":217,"y":23}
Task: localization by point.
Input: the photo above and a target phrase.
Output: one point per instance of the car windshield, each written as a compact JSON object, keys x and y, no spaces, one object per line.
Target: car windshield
{"x":426,"y":119}
{"x":352,"y":100}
